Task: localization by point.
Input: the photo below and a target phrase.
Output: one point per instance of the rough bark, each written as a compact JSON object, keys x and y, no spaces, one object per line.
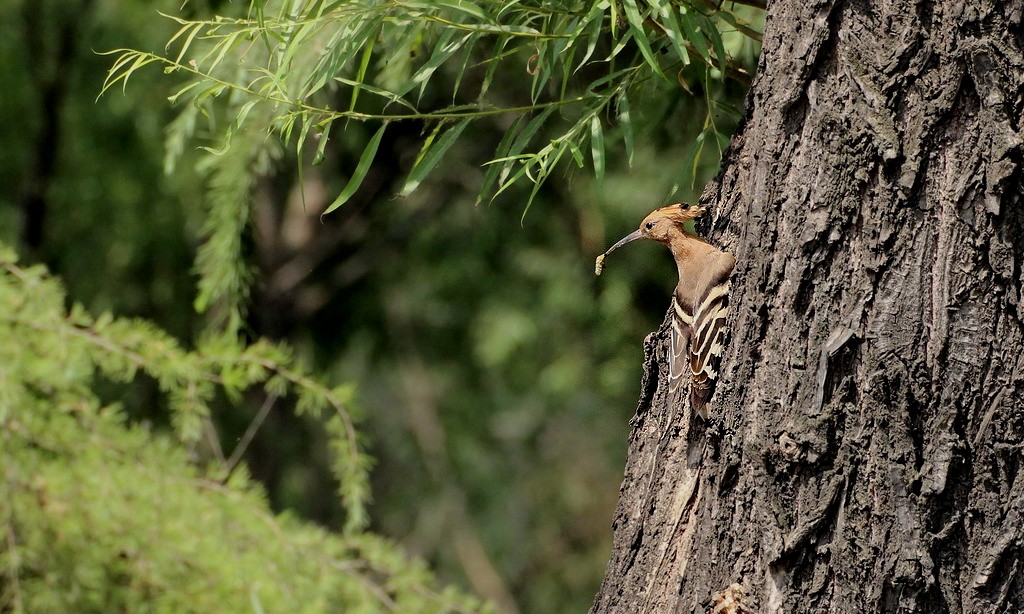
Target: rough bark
{"x":870,"y":417}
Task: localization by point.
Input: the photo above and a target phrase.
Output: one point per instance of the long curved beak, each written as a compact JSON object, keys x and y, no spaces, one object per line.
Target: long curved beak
{"x":633,"y":236}
{"x":599,"y":263}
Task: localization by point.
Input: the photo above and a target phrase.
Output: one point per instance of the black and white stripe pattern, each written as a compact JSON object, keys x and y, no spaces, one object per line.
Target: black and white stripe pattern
{"x":699,"y":339}
{"x":681,"y":332}
{"x":708,"y":344}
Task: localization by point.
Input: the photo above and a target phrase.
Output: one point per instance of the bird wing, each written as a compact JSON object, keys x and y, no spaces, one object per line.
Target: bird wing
{"x":679,"y":337}
{"x":708,"y":341}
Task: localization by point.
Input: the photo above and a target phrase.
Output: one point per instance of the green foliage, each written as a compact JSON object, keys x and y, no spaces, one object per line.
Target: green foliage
{"x":496,"y":375}
{"x":124,"y":347}
{"x":278,"y":69}
{"x":99,"y":515}
{"x":292,"y":59}
{"x":224,"y":276}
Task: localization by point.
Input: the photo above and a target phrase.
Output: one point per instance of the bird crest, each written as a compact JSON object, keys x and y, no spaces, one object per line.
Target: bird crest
{"x":679,"y":213}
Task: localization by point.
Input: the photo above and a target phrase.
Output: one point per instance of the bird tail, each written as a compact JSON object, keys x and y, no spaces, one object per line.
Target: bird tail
{"x":700,"y":392}
{"x":699,"y":396}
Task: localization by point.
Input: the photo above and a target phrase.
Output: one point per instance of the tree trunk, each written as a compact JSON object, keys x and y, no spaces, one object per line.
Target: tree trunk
{"x":866,"y":434}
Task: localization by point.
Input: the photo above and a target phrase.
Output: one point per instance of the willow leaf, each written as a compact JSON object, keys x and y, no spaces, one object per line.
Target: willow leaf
{"x":365,"y":161}
{"x":636,"y":25}
{"x":597,"y":147}
{"x":430,"y":156}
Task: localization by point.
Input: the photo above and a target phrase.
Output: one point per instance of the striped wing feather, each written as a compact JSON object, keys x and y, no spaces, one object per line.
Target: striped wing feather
{"x":707,"y":344}
{"x":682,"y":328}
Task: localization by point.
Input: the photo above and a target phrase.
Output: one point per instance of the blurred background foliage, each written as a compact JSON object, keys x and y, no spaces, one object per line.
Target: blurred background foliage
{"x":495,"y":374}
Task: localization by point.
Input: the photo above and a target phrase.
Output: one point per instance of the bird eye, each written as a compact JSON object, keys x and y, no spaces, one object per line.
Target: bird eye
{"x":649,"y":225}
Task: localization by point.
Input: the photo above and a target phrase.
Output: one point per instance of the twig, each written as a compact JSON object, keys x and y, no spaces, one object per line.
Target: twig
{"x":243,"y":443}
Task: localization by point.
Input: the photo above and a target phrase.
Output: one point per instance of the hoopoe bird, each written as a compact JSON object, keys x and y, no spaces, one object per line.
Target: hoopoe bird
{"x":700,"y":302}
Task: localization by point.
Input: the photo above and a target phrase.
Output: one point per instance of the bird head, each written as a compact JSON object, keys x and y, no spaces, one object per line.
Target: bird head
{"x":660,"y":225}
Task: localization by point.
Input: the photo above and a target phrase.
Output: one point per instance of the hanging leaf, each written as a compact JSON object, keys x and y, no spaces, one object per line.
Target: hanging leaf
{"x":694,"y":35}
{"x":692,"y":161}
{"x":670,"y":24}
{"x":365,"y":161}
{"x":595,"y":20}
{"x":597,"y":147}
{"x":323,"y":137}
{"x":636,"y":25}
{"x":493,"y":168}
{"x":364,"y":62}
{"x":430,"y":156}
{"x":716,"y":43}
{"x":626,"y":121}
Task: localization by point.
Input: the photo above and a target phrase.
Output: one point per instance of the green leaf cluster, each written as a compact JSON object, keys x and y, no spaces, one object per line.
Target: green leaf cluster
{"x":100,"y":515}
{"x":297,"y":68}
{"x":285,"y":74}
